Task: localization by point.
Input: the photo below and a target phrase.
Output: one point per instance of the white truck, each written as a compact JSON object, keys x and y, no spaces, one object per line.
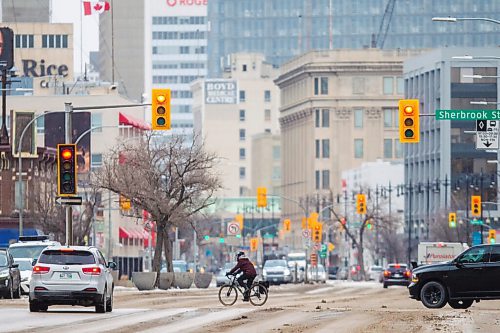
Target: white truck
{"x":434,"y":252}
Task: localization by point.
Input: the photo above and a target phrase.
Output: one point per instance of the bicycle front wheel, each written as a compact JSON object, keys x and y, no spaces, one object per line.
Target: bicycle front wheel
{"x":258,"y":295}
{"x":228,"y":295}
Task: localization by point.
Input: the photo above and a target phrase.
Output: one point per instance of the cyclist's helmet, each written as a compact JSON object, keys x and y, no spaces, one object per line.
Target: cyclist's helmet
{"x":239,"y":255}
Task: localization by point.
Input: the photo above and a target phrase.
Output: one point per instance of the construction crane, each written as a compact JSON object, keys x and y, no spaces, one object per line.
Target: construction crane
{"x":379,"y":40}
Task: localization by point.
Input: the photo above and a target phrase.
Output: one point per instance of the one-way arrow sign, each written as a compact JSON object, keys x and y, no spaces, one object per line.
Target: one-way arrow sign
{"x":69,"y":200}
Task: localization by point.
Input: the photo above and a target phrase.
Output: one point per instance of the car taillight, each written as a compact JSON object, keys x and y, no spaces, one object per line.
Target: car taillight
{"x":407,"y":274}
{"x":91,"y":270}
{"x":387,"y":273}
{"x":40,"y":270}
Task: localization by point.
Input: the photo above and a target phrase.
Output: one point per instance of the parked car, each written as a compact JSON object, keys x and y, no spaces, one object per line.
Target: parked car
{"x":221,"y":277}
{"x":276,"y":271}
{"x":397,"y":274}
{"x":30,"y":247}
{"x":316,"y":274}
{"x":374,"y":272}
{"x":25,"y":267}
{"x":342,"y":273}
{"x":332,"y":272}
{"x":180,"y":266}
{"x":71,"y":275}
{"x":10,"y":277}
{"x":471,"y":276}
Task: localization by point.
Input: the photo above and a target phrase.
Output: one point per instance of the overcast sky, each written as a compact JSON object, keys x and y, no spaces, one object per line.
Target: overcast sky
{"x":71,"y":11}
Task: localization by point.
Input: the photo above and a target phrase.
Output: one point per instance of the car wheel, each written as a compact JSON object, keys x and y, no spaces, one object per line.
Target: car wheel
{"x":17,"y":293}
{"x":109,"y":306}
{"x":10,"y":292}
{"x":34,"y":306}
{"x":43,"y":307}
{"x":100,"y":307}
{"x":433,"y":295}
{"x":385,"y":285}
{"x":461,"y":303}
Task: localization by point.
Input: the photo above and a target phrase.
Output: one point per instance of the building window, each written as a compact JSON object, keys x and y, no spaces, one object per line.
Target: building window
{"x":55,"y":41}
{"x":40,"y":125}
{"x":388,"y":85}
{"x":318,"y":149}
{"x":242,"y":134}
{"x":267,"y":114}
{"x":387,"y":148}
{"x":242,"y":172}
{"x":276,"y":153}
{"x":276,"y":173}
{"x":244,"y":68}
{"x":387,"y":118}
{"x":398,"y":148}
{"x":267,"y":95}
{"x":325,"y":145}
{"x":400,"y":88}
{"x":358,"y":118}
{"x":96,"y":119}
{"x":242,"y":115}
{"x":320,"y":86}
{"x":242,"y":154}
{"x":325,"y":115}
{"x":317,"y":119}
{"x":242,"y":95}
{"x":318,"y":175}
{"x":325,"y":179}
{"x":358,"y":148}
{"x":24,"y":41}
{"x":96,"y":160}
{"x":242,"y":190}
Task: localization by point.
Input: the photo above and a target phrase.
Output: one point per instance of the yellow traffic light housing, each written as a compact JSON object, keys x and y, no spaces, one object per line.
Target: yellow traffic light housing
{"x":254,"y":243}
{"x":261,"y":196}
{"x":125,"y":203}
{"x":287,"y":225}
{"x":476,"y":205}
{"x":492,"y":235}
{"x":360,"y":203}
{"x":317,"y":232}
{"x":239,"y":218}
{"x":409,"y":121}
{"x":160,"y":109}
{"x":66,"y":170}
{"x":304,"y":223}
{"x":452,"y":220}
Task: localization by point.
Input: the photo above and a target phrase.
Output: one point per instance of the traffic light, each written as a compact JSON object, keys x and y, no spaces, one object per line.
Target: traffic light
{"x":317,"y":232}
{"x":343,"y":223}
{"x":409,"y":121}
{"x":287,"y":225}
{"x":125,"y":203}
{"x":254,"y":243}
{"x":361,"y":203}
{"x":476,"y":205}
{"x":239,"y":219}
{"x":66,"y":170}
{"x":369,"y":224}
{"x":492,"y":234}
{"x":452,"y":220}
{"x":261,"y":196}
{"x":312,"y":220}
{"x":206,"y":237}
{"x":160,"y":109}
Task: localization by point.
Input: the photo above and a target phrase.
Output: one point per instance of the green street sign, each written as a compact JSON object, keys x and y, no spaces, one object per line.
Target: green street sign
{"x":476,"y":222}
{"x":467,"y":114}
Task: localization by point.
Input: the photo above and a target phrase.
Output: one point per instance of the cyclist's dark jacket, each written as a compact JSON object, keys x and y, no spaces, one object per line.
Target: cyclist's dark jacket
{"x":245,"y":266}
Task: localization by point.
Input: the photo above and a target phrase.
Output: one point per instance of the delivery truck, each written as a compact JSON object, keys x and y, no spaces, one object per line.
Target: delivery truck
{"x":434,"y":252}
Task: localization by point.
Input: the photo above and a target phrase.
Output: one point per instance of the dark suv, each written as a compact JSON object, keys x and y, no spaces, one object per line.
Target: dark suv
{"x":397,"y":274}
{"x":471,"y":276}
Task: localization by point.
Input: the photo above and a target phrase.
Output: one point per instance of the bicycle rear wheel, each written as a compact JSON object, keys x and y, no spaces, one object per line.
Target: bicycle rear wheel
{"x":258,"y":295}
{"x":228,"y":295}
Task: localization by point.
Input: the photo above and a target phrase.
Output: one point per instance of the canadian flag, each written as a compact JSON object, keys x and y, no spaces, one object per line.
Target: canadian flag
{"x":90,"y":8}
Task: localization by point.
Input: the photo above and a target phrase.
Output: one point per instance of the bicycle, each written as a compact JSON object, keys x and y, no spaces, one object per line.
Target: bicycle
{"x":228,"y":293}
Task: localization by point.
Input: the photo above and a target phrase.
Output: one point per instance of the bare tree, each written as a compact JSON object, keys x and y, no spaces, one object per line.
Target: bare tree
{"x":172,"y":181}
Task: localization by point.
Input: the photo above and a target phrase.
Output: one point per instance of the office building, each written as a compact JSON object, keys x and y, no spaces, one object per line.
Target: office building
{"x":29,"y":11}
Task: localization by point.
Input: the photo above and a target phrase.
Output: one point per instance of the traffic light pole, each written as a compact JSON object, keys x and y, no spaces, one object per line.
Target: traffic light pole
{"x":68,"y":109}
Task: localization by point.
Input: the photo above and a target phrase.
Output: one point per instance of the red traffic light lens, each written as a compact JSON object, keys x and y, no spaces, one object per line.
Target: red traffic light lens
{"x":66,"y":154}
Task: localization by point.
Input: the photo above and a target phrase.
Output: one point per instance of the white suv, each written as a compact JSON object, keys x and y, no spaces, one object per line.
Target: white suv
{"x":30,"y":247}
{"x":72,"y":275}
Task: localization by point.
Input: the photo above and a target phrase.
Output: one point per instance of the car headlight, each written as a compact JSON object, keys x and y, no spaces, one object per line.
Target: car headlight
{"x":4,"y":274}
{"x":264,"y":272}
{"x":414,"y":278}
{"x":286,"y":271}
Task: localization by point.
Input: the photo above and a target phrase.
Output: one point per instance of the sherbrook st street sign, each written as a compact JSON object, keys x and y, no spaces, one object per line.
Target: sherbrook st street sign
{"x":467,"y":114}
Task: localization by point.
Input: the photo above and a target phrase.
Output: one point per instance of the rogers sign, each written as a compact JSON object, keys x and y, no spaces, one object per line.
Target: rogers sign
{"x":173,"y":3}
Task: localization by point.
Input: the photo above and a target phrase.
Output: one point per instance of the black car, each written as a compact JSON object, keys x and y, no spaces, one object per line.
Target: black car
{"x":397,"y":275}
{"x":10,"y":276}
{"x":472,"y":276}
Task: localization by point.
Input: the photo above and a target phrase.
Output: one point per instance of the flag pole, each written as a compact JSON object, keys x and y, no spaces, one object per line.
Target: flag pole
{"x":81,"y":39}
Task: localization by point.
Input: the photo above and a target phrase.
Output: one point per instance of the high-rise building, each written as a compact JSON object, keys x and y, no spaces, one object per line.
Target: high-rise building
{"x":283,"y":29}
{"x":159,"y":44}
{"x":31,"y":11}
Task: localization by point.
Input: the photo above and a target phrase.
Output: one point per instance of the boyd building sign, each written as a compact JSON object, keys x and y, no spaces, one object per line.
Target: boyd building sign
{"x":221,"y":92}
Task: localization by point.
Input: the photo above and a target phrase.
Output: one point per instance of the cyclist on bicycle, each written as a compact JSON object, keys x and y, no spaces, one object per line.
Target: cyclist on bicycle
{"x":244,"y":265}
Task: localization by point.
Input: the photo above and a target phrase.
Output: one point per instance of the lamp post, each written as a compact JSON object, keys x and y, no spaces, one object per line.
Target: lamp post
{"x":457,"y":19}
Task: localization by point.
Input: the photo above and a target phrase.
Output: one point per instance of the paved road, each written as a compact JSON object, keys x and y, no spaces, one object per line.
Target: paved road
{"x":334,"y":307}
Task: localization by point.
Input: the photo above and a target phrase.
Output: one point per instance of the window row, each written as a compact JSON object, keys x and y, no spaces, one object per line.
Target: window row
{"x":322,"y":118}
{"x":173,"y":79}
{"x":392,"y":148}
{"x":172,"y":20}
{"x":170,"y":35}
{"x":322,"y":178}
{"x":174,"y":49}
{"x":183,"y":65}
{"x":391,"y":117}
{"x":322,"y":148}
{"x":243,"y":95}
{"x":27,"y":41}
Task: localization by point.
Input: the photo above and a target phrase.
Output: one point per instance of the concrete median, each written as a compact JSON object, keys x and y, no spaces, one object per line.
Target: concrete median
{"x":202,"y":280}
{"x":144,"y":280}
{"x":166,"y":280}
{"x":183,"y":280}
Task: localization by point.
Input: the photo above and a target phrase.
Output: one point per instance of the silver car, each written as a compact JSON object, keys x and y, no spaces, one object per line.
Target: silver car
{"x":221,"y":277}
{"x":71,"y":275}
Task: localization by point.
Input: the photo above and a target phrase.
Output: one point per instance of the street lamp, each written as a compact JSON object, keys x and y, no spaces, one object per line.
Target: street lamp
{"x":481,"y":76}
{"x":468,"y":57}
{"x":456,"y":19}
{"x":484,"y":103}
